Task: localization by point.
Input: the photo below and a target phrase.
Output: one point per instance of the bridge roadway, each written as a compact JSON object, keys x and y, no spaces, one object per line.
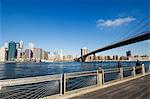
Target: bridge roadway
{"x":135,"y":89}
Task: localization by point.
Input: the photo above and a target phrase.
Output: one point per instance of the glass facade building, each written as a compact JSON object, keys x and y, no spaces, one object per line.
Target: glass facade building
{"x":12,"y":51}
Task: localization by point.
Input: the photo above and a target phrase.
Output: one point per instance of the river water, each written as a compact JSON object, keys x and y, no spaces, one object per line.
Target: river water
{"x":9,"y":71}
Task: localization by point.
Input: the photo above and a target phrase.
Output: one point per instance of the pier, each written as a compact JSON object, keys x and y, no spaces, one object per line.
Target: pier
{"x":92,"y":84}
{"x":134,"y":89}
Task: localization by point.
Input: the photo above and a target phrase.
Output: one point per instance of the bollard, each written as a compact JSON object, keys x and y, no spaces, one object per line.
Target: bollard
{"x":61,"y":85}
{"x":103,"y":76}
{"x":121,"y":73}
{"x":133,"y":72}
{"x":99,"y":78}
{"x":143,"y":69}
{"x":64,"y":84}
{"x":1,"y":87}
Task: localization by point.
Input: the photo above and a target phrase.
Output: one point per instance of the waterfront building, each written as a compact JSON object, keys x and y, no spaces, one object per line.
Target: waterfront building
{"x":17,"y":45}
{"x":123,"y":58}
{"x":21,"y":44}
{"x":108,"y":58}
{"x":56,"y":56}
{"x":68,"y":58}
{"x":115,"y":57}
{"x":44,"y":55}
{"x":12,"y":51}
{"x":100,"y":57}
{"x":145,"y":57}
{"x":3,"y":54}
{"x":28,"y":54}
{"x":61,"y":54}
{"x":19,"y":53}
{"x":37,"y":54}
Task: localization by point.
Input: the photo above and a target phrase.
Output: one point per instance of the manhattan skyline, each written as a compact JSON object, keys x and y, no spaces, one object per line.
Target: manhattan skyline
{"x":71,"y":25}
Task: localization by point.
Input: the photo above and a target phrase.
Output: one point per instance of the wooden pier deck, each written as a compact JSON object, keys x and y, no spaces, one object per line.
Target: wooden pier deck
{"x":135,"y":89}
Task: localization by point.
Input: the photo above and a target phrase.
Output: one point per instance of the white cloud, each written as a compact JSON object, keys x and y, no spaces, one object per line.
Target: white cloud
{"x":116,"y":22}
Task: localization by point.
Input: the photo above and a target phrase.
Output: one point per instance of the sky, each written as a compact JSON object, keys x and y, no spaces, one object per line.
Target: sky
{"x":72,"y":24}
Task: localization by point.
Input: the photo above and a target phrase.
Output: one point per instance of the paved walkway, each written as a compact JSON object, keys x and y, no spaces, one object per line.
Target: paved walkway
{"x":135,"y":89}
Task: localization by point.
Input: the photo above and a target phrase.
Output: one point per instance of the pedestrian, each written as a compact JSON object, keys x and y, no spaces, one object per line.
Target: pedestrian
{"x":139,"y":70}
{"x":138,"y":63}
{"x":119,"y":64}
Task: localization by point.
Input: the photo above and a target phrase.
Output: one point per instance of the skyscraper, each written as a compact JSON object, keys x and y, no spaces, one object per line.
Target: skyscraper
{"x":12,"y":51}
{"x":21,"y":44}
{"x":37,"y":54}
{"x":3,"y":54}
{"x":17,"y":45}
{"x":28,"y":54}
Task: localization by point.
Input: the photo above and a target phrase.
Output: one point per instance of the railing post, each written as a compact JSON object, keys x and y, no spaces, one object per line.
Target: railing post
{"x":133,"y":72}
{"x":103,"y":76}
{"x":121,"y":73}
{"x":99,"y":78}
{"x":143,"y":69}
{"x":61,"y":84}
{"x":64,"y":84}
{"x":1,"y":87}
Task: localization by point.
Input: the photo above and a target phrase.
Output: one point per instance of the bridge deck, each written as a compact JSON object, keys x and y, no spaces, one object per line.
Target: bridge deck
{"x":135,"y":89}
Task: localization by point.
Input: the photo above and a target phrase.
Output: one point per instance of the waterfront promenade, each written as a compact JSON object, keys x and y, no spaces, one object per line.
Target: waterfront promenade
{"x":135,"y":89}
{"x":116,"y":82}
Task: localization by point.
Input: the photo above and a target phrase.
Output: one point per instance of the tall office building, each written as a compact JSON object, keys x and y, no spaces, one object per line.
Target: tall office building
{"x":19,"y":53}
{"x":28,"y":54}
{"x":17,"y":45}
{"x":61,"y":54}
{"x":3,"y":54}
{"x":44,"y":55}
{"x":12,"y":51}
{"x":37,"y":54}
{"x":21,"y":44}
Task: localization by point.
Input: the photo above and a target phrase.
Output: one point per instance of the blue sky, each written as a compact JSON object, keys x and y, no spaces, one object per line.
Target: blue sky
{"x":72,"y":24}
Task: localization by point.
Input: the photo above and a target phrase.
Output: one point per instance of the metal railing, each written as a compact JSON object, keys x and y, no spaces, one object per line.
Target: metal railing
{"x":61,"y":84}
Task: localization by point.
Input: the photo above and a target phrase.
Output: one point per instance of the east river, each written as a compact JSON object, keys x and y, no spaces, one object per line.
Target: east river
{"x":10,"y":71}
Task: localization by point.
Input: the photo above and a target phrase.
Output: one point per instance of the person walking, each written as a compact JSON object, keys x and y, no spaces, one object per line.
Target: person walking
{"x":139,"y":70}
{"x":119,"y":64}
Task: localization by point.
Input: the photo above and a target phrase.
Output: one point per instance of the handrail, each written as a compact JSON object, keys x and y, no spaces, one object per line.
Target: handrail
{"x":64,"y":78}
{"x":29,"y":80}
{"x":38,"y":79}
{"x":79,"y":74}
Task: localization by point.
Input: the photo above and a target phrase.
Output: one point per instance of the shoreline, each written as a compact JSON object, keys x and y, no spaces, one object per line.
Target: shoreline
{"x":73,"y":61}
